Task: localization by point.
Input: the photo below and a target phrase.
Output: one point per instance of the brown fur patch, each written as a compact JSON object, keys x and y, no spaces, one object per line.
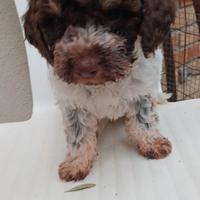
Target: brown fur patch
{"x":108,"y":3}
{"x":157,"y":18}
{"x":157,"y":149}
{"x":80,"y":44}
{"x":74,"y":171}
{"x":46,"y":21}
{"x":55,"y":7}
{"x":133,"y":5}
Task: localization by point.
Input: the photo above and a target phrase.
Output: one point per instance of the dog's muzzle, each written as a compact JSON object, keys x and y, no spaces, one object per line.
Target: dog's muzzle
{"x":91,"y":56}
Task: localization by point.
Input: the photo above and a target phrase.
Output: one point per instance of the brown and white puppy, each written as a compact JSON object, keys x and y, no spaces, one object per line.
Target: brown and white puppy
{"x":106,"y":65}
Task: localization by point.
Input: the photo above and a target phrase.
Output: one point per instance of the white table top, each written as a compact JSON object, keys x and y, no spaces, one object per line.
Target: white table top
{"x":31,"y":151}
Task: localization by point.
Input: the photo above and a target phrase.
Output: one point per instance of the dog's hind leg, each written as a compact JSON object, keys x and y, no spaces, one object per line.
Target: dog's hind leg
{"x":80,"y":129}
{"x":141,"y":124}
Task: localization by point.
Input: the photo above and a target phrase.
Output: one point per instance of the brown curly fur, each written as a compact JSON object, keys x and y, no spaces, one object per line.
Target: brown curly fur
{"x":157,"y":149}
{"x":157,"y":18}
{"x":46,"y":20}
{"x":107,"y":58}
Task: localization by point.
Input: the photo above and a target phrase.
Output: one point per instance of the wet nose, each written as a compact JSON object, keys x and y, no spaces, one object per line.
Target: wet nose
{"x":86,"y":68}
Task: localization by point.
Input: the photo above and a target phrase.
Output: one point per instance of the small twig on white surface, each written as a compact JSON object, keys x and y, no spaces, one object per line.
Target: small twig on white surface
{"x":81,"y":187}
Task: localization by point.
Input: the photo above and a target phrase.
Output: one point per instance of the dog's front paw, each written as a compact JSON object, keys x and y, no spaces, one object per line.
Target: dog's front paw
{"x":74,"y":170}
{"x":157,"y":149}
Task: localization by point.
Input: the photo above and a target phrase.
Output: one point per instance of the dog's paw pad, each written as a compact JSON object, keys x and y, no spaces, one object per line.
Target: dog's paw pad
{"x":69,"y":171}
{"x":158,"y":149}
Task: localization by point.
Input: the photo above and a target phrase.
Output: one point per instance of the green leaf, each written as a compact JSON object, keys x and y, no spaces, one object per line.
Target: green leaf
{"x":81,"y":187}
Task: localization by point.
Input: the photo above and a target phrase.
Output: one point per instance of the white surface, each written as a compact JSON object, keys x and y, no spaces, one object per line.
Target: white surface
{"x":31,"y":151}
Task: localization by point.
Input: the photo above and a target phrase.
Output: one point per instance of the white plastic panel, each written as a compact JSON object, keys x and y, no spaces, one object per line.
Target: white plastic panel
{"x":30,"y":153}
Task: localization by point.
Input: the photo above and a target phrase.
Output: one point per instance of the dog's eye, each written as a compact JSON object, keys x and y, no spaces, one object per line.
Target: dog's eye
{"x":122,"y":50}
{"x":116,"y":14}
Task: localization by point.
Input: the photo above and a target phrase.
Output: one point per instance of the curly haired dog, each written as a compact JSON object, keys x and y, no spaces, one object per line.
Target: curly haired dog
{"x":106,"y":65}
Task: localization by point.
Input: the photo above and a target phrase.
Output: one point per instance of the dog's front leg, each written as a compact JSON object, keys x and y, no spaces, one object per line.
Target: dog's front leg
{"x":141,"y":124}
{"x":80,"y":129}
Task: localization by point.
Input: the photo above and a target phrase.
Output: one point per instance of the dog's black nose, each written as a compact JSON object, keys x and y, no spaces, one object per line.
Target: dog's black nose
{"x":86,"y":68}
{"x":91,"y":74}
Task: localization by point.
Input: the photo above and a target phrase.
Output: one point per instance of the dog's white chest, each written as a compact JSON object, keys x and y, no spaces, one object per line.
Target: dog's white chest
{"x":107,"y":101}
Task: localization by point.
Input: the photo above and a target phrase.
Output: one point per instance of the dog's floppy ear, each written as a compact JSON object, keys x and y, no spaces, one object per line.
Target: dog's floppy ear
{"x":157,"y":18}
{"x":32,"y":28}
{"x":131,"y":4}
{"x":106,"y":3}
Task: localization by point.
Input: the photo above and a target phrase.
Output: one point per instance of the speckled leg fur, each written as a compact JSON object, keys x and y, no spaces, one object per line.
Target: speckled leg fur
{"x":80,"y":128}
{"x":141,"y":128}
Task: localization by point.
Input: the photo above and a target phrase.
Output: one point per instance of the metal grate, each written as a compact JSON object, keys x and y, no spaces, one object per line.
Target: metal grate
{"x":182,"y":53}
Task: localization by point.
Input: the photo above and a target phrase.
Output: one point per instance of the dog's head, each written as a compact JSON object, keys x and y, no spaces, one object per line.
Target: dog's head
{"x":92,"y":41}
